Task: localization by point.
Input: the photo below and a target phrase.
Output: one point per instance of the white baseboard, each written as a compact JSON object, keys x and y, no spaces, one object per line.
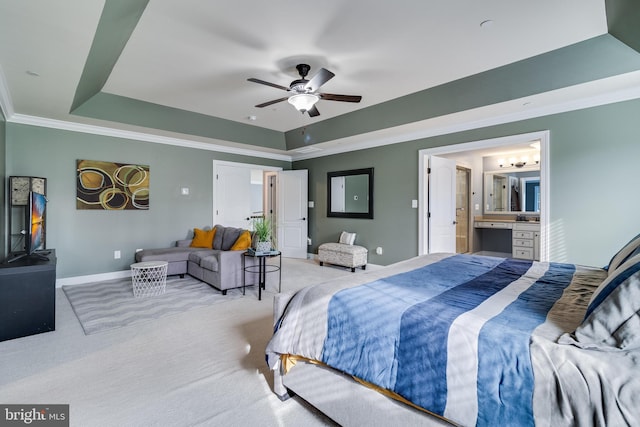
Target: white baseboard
{"x":78,"y":280}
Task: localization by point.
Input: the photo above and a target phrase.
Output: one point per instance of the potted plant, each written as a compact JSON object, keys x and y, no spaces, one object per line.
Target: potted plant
{"x":262,"y":230}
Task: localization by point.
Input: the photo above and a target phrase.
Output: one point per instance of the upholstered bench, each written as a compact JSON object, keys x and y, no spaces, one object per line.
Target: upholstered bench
{"x":351,"y":256}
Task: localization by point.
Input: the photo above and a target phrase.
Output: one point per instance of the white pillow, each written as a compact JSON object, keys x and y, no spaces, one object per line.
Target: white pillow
{"x":347,"y":238}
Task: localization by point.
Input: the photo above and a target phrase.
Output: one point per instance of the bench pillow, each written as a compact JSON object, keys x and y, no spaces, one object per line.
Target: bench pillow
{"x":347,"y":238}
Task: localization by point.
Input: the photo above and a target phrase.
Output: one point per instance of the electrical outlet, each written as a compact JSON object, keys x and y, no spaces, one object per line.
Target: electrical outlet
{"x":116,"y":254}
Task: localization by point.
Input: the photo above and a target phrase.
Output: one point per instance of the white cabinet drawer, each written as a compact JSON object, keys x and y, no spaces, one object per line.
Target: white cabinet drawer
{"x":520,"y":243}
{"x":522,"y":234}
{"x":526,"y":227}
{"x":487,"y":224}
{"x":523,"y":253}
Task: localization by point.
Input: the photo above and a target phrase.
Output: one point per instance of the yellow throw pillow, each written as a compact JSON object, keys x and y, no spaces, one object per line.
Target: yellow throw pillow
{"x":243,"y":242}
{"x":203,"y":238}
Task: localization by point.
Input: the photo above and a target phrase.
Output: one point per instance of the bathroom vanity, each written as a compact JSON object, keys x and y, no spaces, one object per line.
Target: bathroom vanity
{"x":519,"y":238}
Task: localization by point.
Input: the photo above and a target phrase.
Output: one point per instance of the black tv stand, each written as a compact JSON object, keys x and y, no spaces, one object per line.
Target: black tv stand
{"x":27,"y":296}
{"x":39,"y":256}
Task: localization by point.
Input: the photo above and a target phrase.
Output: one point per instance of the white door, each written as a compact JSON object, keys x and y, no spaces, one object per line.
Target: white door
{"x":233,"y":196}
{"x":292,"y":224}
{"x":442,"y":205}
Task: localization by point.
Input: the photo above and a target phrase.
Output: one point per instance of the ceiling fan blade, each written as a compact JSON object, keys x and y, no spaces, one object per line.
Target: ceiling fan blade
{"x":343,"y":98}
{"x":313,"y":112}
{"x":275,"y":101}
{"x":321,"y":77}
{"x":262,"y":82}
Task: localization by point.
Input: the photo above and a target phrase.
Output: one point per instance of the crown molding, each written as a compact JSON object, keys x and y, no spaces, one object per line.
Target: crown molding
{"x":140,"y":136}
{"x":371,"y":140}
{"x":6,"y":105}
{"x":414,"y":131}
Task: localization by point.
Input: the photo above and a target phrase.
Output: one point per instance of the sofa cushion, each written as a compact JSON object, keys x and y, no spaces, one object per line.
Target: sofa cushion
{"x":209,"y":263}
{"x":199,"y":258}
{"x":229,"y":237}
{"x":173,"y":254}
{"x":203,"y":238}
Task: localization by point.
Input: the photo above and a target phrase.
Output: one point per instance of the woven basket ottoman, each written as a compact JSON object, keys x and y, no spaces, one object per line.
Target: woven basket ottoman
{"x":351,"y":256}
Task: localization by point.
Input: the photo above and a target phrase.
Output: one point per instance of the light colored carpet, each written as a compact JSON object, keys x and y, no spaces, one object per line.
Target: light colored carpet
{"x":109,"y":305}
{"x":203,"y":367}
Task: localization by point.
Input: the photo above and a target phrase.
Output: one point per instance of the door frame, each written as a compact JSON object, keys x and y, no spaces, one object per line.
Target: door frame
{"x":264,"y":168}
{"x":545,"y":182}
{"x":468,"y":214}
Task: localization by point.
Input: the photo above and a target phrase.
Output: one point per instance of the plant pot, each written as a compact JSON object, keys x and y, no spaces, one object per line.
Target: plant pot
{"x":263,"y":246}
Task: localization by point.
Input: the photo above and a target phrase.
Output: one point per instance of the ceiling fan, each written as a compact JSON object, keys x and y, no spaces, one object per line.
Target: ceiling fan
{"x":303,"y":93}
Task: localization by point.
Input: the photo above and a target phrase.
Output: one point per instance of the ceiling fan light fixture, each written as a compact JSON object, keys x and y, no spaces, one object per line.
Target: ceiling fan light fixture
{"x":303,"y":101}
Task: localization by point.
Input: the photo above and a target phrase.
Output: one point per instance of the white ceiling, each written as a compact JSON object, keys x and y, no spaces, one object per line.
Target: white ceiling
{"x":196,"y":55}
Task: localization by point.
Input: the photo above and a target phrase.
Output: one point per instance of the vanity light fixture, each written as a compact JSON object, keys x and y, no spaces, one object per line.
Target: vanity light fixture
{"x":519,"y":163}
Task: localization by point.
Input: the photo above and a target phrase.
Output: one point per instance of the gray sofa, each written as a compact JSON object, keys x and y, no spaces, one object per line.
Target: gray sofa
{"x":220,"y":267}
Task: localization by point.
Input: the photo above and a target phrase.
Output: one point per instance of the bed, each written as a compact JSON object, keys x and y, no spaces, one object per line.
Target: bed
{"x":467,"y":340}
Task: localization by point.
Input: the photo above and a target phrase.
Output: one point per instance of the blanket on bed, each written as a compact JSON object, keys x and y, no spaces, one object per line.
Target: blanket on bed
{"x":451,"y":334}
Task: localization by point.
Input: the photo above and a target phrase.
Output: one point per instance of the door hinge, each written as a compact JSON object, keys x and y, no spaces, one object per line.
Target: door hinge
{"x":428,"y":170}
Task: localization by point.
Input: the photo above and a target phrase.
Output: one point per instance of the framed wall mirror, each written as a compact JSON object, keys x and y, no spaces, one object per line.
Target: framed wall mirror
{"x":350,"y":194}
{"x":512,"y":192}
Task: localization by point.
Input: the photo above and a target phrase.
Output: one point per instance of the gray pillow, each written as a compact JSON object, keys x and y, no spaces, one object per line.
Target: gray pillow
{"x":626,"y":252}
{"x":217,"y":238}
{"x":613,"y":315}
{"x":229,"y":237}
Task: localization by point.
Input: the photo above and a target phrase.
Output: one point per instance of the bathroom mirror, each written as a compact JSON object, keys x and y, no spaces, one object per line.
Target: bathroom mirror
{"x":512,"y":191}
{"x":350,"y":194}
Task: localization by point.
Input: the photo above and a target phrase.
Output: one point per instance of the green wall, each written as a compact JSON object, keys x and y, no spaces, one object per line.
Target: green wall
{"x":3,"y":174}
{"x":593,"y":208}
{"x":85,"y":240}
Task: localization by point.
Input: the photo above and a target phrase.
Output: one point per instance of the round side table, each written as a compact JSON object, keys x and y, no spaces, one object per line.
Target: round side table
{"x":149,"y":278}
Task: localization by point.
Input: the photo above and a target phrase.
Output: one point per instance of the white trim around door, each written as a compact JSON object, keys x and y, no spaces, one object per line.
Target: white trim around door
{"x":545,"y":181}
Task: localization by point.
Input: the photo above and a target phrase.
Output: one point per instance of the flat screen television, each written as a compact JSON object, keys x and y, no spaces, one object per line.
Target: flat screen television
{"x":34,"y":233}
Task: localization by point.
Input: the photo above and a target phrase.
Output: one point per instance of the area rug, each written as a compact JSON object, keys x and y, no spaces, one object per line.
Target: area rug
{"x":102,"y":306}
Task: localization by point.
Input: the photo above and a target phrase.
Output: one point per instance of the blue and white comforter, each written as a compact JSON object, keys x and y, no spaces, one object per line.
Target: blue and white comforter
{"x":458,"y":335}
